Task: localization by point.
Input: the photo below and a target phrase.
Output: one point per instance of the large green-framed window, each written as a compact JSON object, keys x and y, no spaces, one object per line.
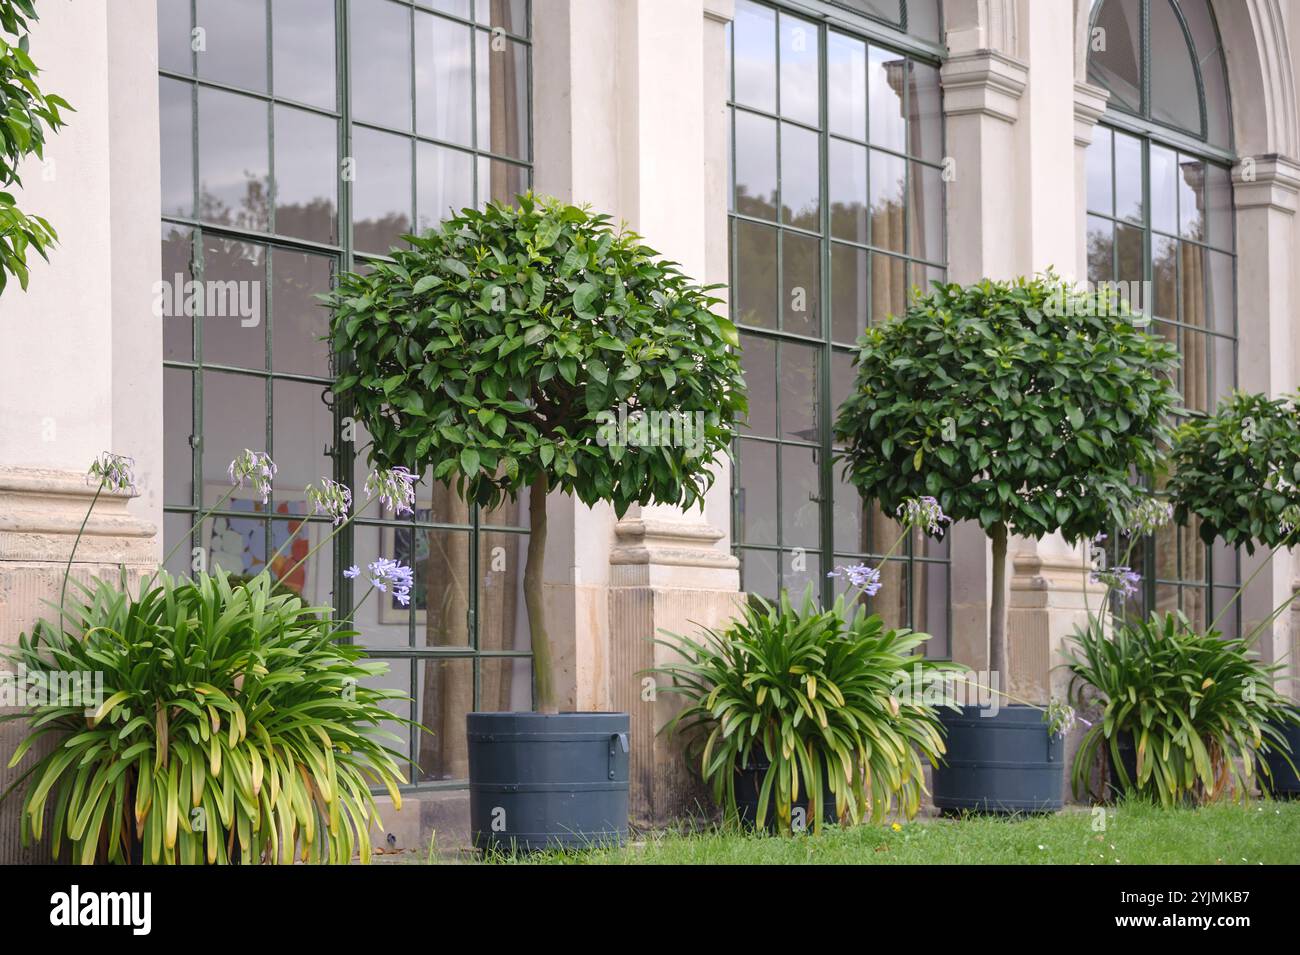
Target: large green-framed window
{"x":1160,"y":212}
{"x":301,"y":137}
{"x":836,"y":214}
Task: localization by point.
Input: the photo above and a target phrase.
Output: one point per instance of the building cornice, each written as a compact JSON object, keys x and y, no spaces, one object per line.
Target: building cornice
{"x":1089,"y":106}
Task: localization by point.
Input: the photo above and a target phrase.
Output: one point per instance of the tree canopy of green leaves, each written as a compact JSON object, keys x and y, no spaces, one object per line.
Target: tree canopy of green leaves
{"x":1007,"y":413}
{"x":495,"y":347}
{"x":25,"y":115}
{"x":1238,"y":470}
{"x":1028,"y":406}
{"x":518,"y":347}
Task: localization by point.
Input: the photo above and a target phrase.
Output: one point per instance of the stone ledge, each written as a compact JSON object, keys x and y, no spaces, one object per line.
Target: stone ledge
{"x":41,"y":514}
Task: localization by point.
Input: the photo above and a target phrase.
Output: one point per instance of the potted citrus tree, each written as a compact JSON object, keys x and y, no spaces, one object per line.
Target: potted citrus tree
{"x":1026,"y":406}
{"x":497,"y":349}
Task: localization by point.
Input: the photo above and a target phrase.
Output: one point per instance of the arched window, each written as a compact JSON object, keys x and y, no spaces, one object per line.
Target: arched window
{"x":1160,"y":214}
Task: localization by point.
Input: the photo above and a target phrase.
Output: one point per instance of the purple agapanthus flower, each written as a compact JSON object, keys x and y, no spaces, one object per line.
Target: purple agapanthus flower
{"x":923,"y":512}
{"x":352,"y":573}
{"x":114,"y":471}
{"x":385,"y":573}
{"x":1122,"y":580}
{"x":256,"y":467}
{"x":331,"y":499}
{"x":395,"y":487}
{"x":861,"y":576}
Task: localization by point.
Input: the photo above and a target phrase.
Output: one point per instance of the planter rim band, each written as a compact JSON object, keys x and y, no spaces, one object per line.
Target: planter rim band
{"x":595,"y":785}
{"x":535,"y":737}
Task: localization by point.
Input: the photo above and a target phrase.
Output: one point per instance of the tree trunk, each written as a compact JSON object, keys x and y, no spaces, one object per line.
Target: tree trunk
{"x":535,"y":599}
{"x":998,"y":608}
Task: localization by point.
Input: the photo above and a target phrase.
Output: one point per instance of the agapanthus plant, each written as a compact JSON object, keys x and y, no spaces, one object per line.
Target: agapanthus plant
{"x":332,"y":499}
{"x":395,"y":487}
{"x":257,"y":468}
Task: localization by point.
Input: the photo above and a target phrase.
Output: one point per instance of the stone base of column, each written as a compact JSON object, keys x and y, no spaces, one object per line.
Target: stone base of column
{"x":41,"y":511}
{"x":1048,"y":601}
{"x":665,"y":575}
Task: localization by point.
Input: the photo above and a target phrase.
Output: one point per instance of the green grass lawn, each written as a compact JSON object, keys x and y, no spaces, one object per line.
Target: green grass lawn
{"x":1258,"y":832}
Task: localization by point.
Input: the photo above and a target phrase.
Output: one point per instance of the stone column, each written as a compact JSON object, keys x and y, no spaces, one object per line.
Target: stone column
{"x":81,"y":367}
{"x":630,"y":101}
{"x":1265,"y":191}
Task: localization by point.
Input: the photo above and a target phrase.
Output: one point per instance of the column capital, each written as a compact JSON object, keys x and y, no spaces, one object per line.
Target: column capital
{"x":983,"y":82}
{"x":655,"y":551}
{"x":1089,"y":106}
{"x":1269,"y":181}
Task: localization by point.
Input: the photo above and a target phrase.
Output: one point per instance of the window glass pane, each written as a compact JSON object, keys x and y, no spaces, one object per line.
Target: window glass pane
{"x":1205,"y":40}
{"x":846,"y":67}
{"x":446,"y":183}
{"x":923,"y":19}
{"x":801,"y":284}
{"x":306,"y":176}
{"x":172,"y":297}
{"x":302,"y":429}
{"x":848,"y":532}
{"x":925,"y":112}
{"x":299,"y":324}
{"x":754,"y":292}
{"x":1117,"y":67}
{"x":1191,"y":198}
{"x":758,"y":576}
{"x":510,"y":15}
{"x":800,"y":511}
{"x":446,"y":695}
{"x":233,"y":40}
{"x":178,"y":426}
{"x":174,"y":37}
{"x":800,"y":570}
{"x":754,"y":38}
{"x":758,"y":358}
{"x":930,"y":606}
{"x":380,"y":61}
{"x":442,"y":79}
{"x":1218,"y":205}
{"x":1128,"y":241}
{"x":799,"y":388}
{"x":755,"y":166}
{"x":755,"y":477}
{"x":501,"y":96}
{"x":234,"y":279}
{"x":890,"y":11}
{"x":303,"y":37}
{"x":234,"y":418}
{"x":888,"y":175}
{"x":381,"y":189}
{"x":1164,"y":277}
{"x":885,"y":71}
{"x":1101,"y":250}
{"x":800,"y":68}
{"x":848,"y":292}
{"x":1221,"y":294}
{"x":1191,"y":264}
{"x":925,"y":212}
{"x":176,"y":132}
{"x":1101,"y":191}
{"x":847,"y":185}
{"x":1174,"y":97}
{"x":800,"y":178}
{"x":234,"y":167}
{"x":500,"y":181}
{"x":1164,"y":190}
{"x":1197,"y":393}
{"x":889,"y":287}
{"x":1224,"y":368}
{"x":1128,"y":175}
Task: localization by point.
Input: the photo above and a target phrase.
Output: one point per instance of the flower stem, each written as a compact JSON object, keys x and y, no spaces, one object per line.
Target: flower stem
{"x":63,"y":592}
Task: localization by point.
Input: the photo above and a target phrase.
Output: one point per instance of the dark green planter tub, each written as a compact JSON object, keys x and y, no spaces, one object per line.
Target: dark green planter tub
{"x":1002,"y":763}
{"x":1284,"y":782}
{"x":547,"y":780}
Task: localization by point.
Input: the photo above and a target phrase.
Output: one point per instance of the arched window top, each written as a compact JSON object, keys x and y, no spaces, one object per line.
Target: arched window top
{"x":1162,"y":60}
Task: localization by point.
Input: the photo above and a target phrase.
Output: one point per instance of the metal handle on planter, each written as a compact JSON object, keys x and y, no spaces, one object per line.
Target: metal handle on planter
{"x":615,"y":741}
